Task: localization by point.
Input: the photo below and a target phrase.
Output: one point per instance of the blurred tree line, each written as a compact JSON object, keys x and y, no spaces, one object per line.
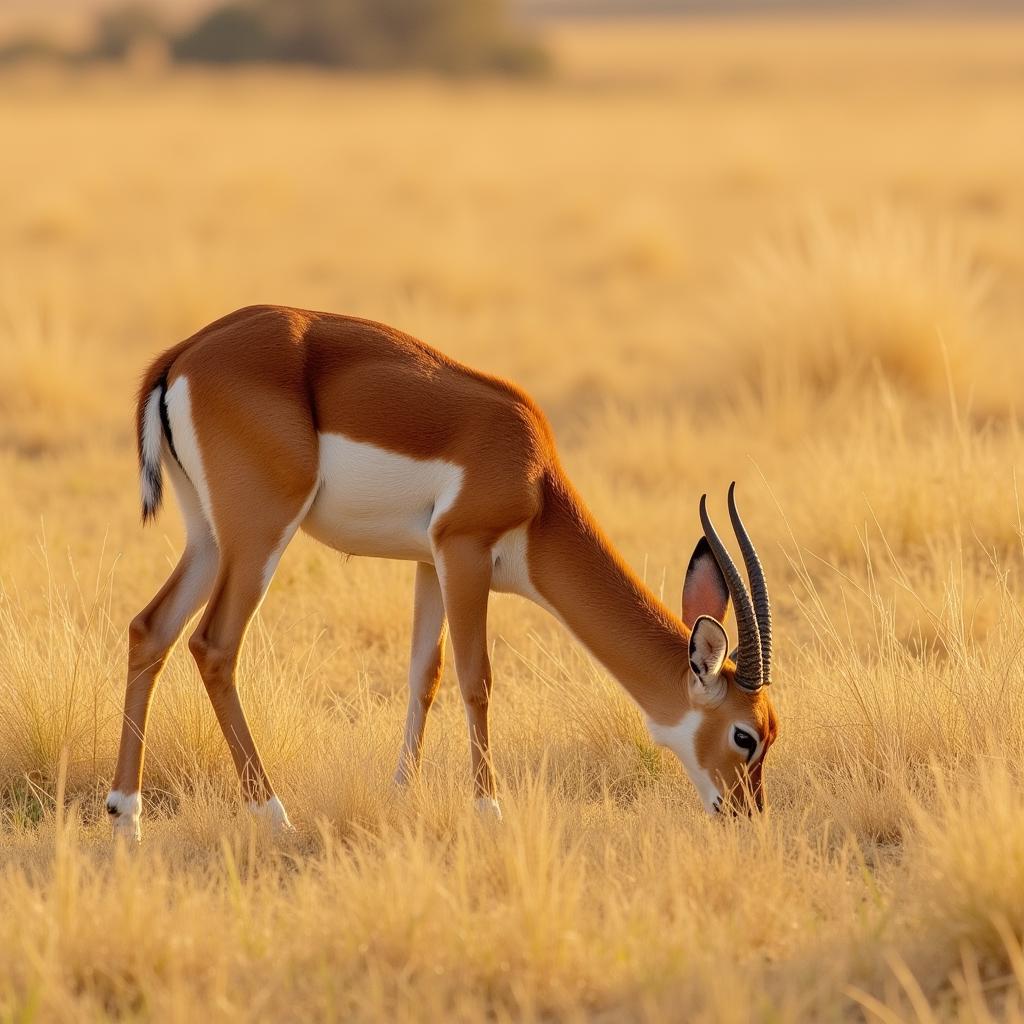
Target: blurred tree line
{"x":450,"y":36}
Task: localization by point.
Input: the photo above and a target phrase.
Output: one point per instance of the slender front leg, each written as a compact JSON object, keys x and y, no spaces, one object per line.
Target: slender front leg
{"x":426,"y":664}
{"x":464,"y":568}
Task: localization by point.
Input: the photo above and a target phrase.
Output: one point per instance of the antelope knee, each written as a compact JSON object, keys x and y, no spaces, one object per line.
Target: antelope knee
{"x":478,"y":695}
{"x":146,"y":648}
{"x":216,"y":665}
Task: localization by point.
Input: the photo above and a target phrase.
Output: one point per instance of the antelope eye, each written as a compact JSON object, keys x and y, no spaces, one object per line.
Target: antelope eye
{"x":744,"y":740}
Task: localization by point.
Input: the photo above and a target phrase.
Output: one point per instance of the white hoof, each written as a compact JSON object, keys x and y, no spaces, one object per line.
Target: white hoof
{"x":273,"y":812}
{"x":125,"y":812}
{"x":487,"y":807}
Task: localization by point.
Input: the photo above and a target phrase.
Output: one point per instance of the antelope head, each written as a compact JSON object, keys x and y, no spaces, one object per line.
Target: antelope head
{"x":725,"y":734}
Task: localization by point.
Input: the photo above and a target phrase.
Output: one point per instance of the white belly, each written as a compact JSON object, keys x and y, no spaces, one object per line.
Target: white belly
{"x":378,"y":503}
{"x":375,"y":502}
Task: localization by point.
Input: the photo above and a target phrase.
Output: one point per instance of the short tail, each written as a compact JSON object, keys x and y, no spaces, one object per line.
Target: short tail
{"x":151,"y":440}
{"x":152,"y":428}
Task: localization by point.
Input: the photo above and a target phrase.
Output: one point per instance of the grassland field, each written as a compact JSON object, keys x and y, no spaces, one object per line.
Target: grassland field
{"x":789,"y":253}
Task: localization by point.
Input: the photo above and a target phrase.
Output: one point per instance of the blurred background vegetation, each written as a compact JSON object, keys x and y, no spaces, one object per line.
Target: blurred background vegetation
{"x":448,"y":36}
{"x":456,"y":37}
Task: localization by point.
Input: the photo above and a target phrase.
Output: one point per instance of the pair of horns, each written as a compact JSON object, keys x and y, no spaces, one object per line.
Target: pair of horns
{"x":753,"y":609}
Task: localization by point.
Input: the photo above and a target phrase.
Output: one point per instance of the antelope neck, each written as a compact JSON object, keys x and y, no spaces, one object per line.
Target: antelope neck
{"x":609,"y":609}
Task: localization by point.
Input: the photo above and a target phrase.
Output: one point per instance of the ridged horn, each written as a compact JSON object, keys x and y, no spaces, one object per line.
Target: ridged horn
{"x":758,"y":587}
{"x":748,"y":657}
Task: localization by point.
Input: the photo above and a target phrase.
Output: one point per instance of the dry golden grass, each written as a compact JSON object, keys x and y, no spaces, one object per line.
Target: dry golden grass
{"x":792,"y":254}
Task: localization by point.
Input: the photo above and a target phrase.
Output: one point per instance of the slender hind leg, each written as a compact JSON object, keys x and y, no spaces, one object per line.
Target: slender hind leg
{"x":153,"y":632}
{"x":247,"y":565}
{"x":426,"y":664}
{"x":254,"y":454}
{"x":464,"y":565}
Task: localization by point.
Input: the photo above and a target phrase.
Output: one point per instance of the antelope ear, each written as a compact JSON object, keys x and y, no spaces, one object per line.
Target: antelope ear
{"x":708,"y":648}
{"x":704,"y":588}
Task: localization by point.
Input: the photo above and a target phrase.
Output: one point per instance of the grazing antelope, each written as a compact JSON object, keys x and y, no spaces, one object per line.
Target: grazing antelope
{"x":272,"y":420}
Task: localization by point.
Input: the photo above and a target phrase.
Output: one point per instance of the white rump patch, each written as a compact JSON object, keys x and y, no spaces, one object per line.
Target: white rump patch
{"x":186,"y":444}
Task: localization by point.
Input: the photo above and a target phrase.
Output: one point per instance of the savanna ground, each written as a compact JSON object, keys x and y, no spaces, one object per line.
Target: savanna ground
{"x":792,"y":254}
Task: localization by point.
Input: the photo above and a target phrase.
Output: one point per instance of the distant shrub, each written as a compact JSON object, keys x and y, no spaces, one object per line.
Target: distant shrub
{"x":232,"y":34}
{"x":452,"y":36}
{"x":31,"y":48}
{"x":456,"y":37}
{"x":120,"y":31}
